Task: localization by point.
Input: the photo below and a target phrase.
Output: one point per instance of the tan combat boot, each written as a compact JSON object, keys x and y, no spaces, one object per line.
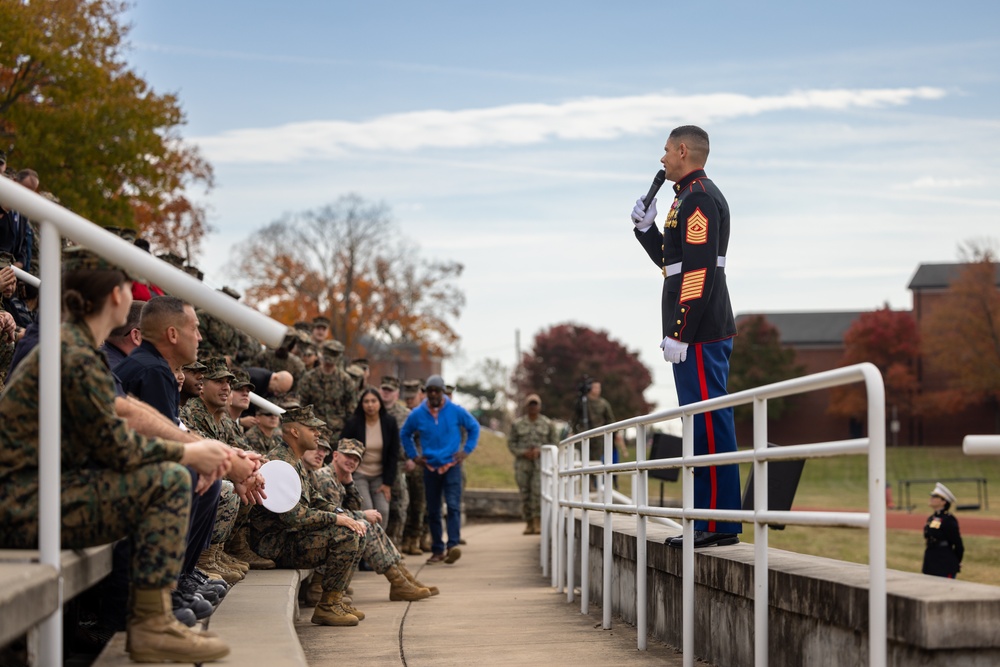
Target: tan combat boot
{"x":239,"y":547}
{"x":210,"y":565}
{"x":402,"y":589}
{"x":154,"y":635}
{"x":411,"y":547}
{"x":348,"y":604}
{"x":314,"y":591}
{"x":536,"y":525}
{"x":413,"y":580}
{"x":330,"y":611}
{"x":529,"y":528}
{"x":232,"y":562}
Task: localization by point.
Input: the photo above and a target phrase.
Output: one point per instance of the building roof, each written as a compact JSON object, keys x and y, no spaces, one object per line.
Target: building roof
{"x":809,"y":328}
{"x":939,"y":276}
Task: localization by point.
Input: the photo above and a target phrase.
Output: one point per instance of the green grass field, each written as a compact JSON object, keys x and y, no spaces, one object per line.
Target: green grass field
{"x":833,"y":483}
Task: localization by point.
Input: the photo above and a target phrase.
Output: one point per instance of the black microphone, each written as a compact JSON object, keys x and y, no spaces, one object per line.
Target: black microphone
{"x":661,"y":176}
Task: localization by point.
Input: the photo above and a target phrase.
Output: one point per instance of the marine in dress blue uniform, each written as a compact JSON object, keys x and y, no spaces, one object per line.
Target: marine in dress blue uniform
{"x":697,"y":317}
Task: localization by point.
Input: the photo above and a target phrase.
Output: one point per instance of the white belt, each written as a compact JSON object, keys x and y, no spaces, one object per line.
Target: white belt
{"x":675,"y":268}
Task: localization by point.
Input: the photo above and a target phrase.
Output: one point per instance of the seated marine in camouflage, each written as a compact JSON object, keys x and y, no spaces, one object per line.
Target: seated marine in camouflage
{"x":314,"y":533}
{"x":336,"y":483}
{"x":115,"y":483}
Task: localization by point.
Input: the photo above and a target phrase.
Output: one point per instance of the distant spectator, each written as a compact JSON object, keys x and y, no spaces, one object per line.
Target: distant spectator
{"x":378,"y":431}
{"x":944,"y":551}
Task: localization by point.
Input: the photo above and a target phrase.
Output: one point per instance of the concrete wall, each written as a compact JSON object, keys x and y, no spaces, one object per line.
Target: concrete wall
{"x":819,"y":606}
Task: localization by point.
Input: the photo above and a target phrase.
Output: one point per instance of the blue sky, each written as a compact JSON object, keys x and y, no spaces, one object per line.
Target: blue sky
{"x":852,"y":140}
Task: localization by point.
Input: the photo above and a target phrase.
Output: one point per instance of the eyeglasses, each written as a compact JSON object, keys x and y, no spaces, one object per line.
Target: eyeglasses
{"x":433,"y":390}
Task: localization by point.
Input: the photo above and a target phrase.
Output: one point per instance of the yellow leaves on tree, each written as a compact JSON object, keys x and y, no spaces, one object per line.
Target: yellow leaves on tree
{"x":347,"y":261}
{"x":102,"y":141}
{"x":962,"y":335}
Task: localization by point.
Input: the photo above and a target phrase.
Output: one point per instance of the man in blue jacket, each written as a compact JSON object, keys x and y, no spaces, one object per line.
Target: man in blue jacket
{"x":439,"y":421}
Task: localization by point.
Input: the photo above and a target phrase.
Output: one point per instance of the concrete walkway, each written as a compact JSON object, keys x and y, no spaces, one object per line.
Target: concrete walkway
{"x":495,"y":608}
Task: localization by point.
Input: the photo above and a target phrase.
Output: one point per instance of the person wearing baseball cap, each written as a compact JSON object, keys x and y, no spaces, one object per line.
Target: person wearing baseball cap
{"x":314,"y":533}
{"x":944,"y":550}
{"x":527,"y":436}
{"x":438,"y":422}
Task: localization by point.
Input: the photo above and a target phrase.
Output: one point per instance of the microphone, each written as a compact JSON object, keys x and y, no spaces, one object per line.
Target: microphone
{"x":661,"y":176}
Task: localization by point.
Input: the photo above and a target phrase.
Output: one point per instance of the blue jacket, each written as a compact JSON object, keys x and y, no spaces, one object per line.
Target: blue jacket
{"x":440,"y":439}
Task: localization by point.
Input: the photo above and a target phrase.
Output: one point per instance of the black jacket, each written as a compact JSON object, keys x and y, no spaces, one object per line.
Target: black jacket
{"x":695,"y":305}
{"x":355,"y":428}
{"x":943,"y":556}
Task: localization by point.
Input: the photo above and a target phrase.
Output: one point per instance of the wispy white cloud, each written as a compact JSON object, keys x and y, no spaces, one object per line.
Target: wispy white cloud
{"x":935,"y":183}
{"x":592,"y":118}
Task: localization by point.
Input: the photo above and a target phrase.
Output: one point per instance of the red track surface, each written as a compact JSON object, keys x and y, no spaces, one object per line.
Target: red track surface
{"x":969,"y":524}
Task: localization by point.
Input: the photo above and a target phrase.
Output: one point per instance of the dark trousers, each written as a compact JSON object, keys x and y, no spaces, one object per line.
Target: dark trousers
{"x":448,"y":486}
{"x":701,"y":376}
{"x":203,"y":509}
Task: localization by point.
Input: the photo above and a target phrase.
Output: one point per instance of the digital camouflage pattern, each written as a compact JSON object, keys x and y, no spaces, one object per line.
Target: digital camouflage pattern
{"x":6,"y":356}
{"x":196,"y":416}
{"x":379,"y":551}
{"x":306,"y":535}
{"x":333,"y":396}
{"x":526,"y":434}
{"x":260,"y":443}
{"x":399,"y":503}
{"x":225,"y":517}
{"x":288,"y":361}
{"x":115,"y":482}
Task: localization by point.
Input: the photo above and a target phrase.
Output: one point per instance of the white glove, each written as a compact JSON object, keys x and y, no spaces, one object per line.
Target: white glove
{"x":674,"y":351}
{"x":642,"y":217}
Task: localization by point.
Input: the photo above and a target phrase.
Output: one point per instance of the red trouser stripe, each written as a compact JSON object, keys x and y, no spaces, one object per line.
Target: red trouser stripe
{"x":709,"y":431}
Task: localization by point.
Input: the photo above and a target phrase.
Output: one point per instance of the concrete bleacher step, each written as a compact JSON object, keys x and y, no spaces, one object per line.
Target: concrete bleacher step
{"x":256,"y":619}
{"x":29,"y":590}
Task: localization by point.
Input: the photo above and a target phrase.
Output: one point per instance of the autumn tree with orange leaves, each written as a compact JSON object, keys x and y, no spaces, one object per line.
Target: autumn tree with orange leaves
{"x":962,"y":335}
{"x":888,"y":339}
{"x":101,"y":139}
{"x":348,"y":261}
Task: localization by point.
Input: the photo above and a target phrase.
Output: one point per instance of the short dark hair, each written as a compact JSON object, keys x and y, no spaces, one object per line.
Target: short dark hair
{"x":131,"y":323}
{"x":159,"y":313}
{"x":694,"y":137}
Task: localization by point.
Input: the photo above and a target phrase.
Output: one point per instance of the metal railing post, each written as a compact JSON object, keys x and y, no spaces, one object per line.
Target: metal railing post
{"x":760,"y":535}
{"x":49,"y":434}
{"x":608,"y":560}
{"x":571,"y":542}
{"x":584,"y":488}
{"x":640,"y":493}
{"x":877,"y":605}
{"x":687,"y":572}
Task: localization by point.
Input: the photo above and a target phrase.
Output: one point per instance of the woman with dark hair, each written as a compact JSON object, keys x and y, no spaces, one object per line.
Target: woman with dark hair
{"x":944,"y":551}
{"x":379,"y":432}
{"x":115,"y":482}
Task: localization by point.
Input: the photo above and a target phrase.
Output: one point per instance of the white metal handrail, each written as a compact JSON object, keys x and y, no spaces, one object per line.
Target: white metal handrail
{"x":55,"y":222}
{"x":981,"y":445}
{"x":567,"y":473}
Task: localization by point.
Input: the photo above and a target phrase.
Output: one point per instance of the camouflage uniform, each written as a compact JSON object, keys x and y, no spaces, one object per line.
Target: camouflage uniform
{"x":6,"y":356}
{"x":218,"y":338}
{"x":196,"y":417}
{"x":378,"y":551}
{"x":524,"y":435}
{"x":399,"y":504}
{"x":260,"y":443}
{"x":306,"y":535}
{"x":115,"y":483}
{"x":288,"y":361}
{"x":333,"y":395}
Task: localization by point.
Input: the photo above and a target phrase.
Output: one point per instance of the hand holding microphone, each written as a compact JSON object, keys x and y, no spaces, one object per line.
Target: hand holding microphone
{"x":644,"y":213}
{"x":644,"y":217}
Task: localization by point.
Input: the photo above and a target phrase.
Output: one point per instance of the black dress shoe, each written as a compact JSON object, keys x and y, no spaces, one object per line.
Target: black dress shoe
{"x":703,"y":538}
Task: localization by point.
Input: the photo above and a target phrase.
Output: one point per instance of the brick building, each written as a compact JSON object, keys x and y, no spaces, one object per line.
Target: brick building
{"x":818,"y":341}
